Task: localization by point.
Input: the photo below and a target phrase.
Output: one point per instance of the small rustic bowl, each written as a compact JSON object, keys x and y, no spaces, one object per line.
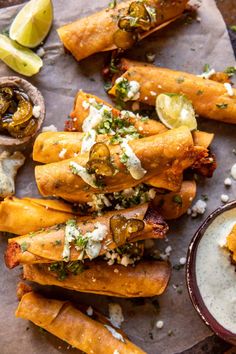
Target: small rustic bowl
{"x":191,"y":280}
{"x":37,"y":100}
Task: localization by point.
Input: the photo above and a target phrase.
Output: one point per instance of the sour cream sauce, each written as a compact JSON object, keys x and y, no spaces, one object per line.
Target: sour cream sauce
{"x":216,"y":276}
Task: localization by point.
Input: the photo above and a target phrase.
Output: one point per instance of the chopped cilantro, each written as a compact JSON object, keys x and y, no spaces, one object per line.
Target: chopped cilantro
{"x":122,"y":88}
{"x":112,"y":4}
{"x":206,"y":68}
{"x":222,"y":105}
{"x":63,"y":269}
{"x":58,"y":242}
{"x":199,"y":92}
{"x":230,"y":70}
{"x":24,"y":246}
{"x":81,"y":242}
{"x":124,"y":158}
{"x":113,"y":68}
{"x":180,"y":80}
{"x":204,"y":197}
{"x":107,"y":85}
{"x":177,"y":199}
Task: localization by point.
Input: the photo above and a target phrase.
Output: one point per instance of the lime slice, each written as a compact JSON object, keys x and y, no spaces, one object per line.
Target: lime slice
{"x":32,"y":23}
{"x":175,"y":110}
{"x":18,"y":58}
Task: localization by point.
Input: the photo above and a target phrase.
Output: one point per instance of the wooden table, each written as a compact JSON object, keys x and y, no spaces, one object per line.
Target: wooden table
{"x":213,"y":344}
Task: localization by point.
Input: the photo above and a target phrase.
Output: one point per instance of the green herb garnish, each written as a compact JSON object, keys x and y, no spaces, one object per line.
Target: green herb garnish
{"x":112,"y":4}
{"x":230,"y":70}
{"x":177,"y":199}
{"x":222,"y":105}
{"x":24,"y":246}
{"x":199,"y":92}
{"x":206,"y":68}
{"x":180,"y":80}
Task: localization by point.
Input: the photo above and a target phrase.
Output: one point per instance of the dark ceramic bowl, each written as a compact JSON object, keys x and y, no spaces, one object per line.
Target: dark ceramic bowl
{"x":37,"y":100}
{"x":192,"y":286}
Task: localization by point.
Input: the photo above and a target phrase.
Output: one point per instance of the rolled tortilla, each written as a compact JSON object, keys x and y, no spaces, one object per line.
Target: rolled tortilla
{"x":80,"y":112}
{"x":164,"y":156}
{"x":174,"y":204}
{"x":47,"y":246}
{"x":95,"y":33}
{"x":231,"y":242}
{"x":68,"y":323}
{"x":58,"y":146}
{"x":35,"y":214}
{"x":145,"y":279}
{"x":210,"y":98}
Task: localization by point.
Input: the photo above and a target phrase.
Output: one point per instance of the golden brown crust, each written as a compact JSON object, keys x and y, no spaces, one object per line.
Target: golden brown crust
{"x":32,"y":213}
{"x":47,"y":246}
{"x":146,"y":279}
{"x":94,"y":33}
{"x":165,"y":155}
{"x":210,"y":98}
{"x":174,"y":204}
{"x":69,"y":324}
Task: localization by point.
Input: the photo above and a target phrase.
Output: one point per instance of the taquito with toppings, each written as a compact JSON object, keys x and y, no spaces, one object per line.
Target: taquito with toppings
{"x":57,"y":146}
{"x":87,"y":105}
{"x":210,"y":99}
{"x":109,"y":125}
{"x":163,"y":157}
{"x":118,"y":27}
{"x":145,"y":279}
{"x":92,"y":334}
{"x":87,"y":238}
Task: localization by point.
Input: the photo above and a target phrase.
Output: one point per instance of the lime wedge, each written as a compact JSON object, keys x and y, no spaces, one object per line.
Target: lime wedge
{"x":175,"y":110}
{"x":32,"y":23}
{"x":18,"y":58}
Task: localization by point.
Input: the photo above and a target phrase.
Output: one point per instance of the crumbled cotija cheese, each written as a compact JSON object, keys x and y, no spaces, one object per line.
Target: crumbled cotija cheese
{"x":233,"y":171}
{"x":159,"y":324}
{"x":89,"y":311}
{"x":49,"y":128}
{"x":62,"y":153}
{"x":115,"y":314}
{"x":229,"y":89}
{"x":208,"y":74}
{"x":36,"y":111}
{"x":198,"y":208}
{"x":224,"y":198}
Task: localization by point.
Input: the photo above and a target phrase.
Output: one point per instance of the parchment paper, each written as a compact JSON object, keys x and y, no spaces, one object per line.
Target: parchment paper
{"x":181,"y":46}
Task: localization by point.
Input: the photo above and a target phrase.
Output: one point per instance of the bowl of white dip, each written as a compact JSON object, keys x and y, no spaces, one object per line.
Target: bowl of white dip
{"x":210,"y":275}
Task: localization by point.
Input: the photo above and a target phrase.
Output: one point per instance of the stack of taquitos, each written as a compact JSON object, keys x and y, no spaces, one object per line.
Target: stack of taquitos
{"x":97,"y":32}
{"x":49,"y":145}
{"x":94,"y":334}
{"x":210,"y":98}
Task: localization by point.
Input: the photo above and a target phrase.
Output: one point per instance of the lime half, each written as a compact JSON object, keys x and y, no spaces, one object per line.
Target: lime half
{"x":32,"y":23}
{"x":18,"y":58}
{"x":175,"y":110}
